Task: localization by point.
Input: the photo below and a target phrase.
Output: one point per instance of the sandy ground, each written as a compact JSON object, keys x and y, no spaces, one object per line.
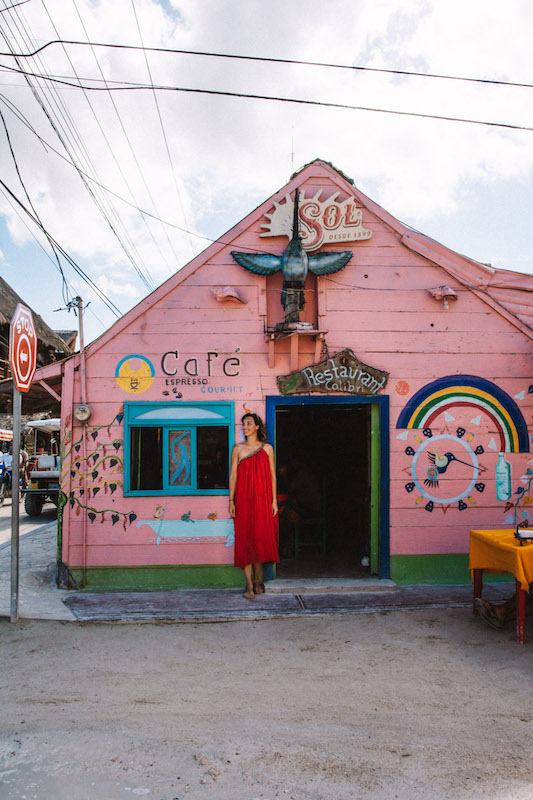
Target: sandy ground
{"x":404,"y":704}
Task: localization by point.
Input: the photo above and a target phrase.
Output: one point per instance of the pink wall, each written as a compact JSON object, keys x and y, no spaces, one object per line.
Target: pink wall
{"x":378,"y":306}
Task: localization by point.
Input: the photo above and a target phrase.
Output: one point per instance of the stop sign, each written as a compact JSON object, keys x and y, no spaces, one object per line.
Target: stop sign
{"x":22,"y":348}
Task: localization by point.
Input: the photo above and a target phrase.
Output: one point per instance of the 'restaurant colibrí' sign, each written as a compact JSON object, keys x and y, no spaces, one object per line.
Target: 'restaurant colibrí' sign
{"x":342,"y":373}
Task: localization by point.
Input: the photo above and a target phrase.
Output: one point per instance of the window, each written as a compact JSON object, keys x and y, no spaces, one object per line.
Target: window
{"x":173,"y":448}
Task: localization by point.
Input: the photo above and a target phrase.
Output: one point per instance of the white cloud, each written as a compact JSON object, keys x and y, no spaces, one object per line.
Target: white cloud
{"x":228,"y":154}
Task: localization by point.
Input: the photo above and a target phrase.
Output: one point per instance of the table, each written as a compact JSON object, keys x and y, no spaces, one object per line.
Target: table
{"x":498,"y":551}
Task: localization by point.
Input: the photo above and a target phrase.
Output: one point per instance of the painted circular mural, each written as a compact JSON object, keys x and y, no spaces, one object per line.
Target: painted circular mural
{"x":427,"y":472}
{"x":135,"y":374}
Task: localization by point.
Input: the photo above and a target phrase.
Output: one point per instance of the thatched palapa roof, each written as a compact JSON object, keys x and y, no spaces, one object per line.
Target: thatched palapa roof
{"x":45,"y":335}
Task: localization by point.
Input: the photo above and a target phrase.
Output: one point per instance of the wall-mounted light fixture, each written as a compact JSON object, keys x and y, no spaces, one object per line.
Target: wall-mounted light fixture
{"x":444,"y":293}
{"x":227,"y":294}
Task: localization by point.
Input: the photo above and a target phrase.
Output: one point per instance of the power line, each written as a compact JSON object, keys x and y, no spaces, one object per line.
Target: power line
{"x":64,"y":285}
{"x":56,"y":254}
{"x":40,"y":244}
{"x":127,"y":138}
{"x":109,"y":303}
{"x":121,"y":86}
{"x":63,"y":136}
{"x":291,"y":61}
{"x":112,"y":153}
{"x":71,"y":134}
{"x":8,"y":8}
{"x":169,"y":156}
{"x":18,"y":114}
{"x":124,"y":131}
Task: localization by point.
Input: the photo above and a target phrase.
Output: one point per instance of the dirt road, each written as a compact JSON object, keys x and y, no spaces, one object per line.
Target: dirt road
{"x":409,"y":705}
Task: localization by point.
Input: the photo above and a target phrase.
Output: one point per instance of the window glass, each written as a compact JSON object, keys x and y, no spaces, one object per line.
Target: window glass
{"x":179,"y":458}
{"x":175,"y":448}
{"x":212,"y":457}
{"x":146,"y":459}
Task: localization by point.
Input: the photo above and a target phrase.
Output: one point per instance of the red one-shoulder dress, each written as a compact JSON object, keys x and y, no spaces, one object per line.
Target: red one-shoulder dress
{"x":256,"y":529}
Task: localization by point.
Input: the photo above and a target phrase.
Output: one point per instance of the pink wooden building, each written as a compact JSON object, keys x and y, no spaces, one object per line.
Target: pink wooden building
{"x":402,"y":391}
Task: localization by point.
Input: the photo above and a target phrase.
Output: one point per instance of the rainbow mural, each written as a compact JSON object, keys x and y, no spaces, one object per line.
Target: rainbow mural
{"x":478,"y":393}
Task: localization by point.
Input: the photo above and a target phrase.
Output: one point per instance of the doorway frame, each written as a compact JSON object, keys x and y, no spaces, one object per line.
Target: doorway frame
{"x":379,"y":466}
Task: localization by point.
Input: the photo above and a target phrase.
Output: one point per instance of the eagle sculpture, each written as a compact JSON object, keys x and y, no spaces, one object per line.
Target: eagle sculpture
{"x":294,"y":264}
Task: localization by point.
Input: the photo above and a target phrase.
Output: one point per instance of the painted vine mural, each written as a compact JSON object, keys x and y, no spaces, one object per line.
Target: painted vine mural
{"x":99,"y":473}
{"x":103,"y":464}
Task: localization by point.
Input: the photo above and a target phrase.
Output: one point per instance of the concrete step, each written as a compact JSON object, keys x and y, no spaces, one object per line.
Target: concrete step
{"x":329,"y":585}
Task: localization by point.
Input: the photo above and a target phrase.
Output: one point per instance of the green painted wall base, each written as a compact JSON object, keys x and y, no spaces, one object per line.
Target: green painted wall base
{"x":444,"y":569}
{"x":451,"y":568}
{"x":145,"y":579}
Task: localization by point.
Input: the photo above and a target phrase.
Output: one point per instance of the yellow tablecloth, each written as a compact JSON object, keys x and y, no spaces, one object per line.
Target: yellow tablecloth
{"x":499,"y":551}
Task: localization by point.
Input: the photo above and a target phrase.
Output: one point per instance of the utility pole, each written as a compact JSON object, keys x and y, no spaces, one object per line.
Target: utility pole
{"x":79,"y":303}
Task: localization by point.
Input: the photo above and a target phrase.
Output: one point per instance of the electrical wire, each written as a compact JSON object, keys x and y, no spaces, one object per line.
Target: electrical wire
{"x":290,"y":61}
{"x":63,"y":137}
{"x":169,"y":156}
{"x":40,"y":244}
{"x":121,"y":86}
{"x":112,"y":153}
{"x":109,"y":303}
{"x":48,"y":256}
{"x":17,"y":113}
{"x":8,"y":8}
{"x":126,"y":136}
{"x":64,"y":286}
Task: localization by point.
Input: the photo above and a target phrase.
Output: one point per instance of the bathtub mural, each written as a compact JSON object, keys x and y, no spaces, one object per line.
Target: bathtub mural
{"x":187,"y":529}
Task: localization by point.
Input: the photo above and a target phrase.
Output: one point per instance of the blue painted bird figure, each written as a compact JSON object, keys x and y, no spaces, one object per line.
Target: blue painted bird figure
{"x":294,"y":264}
{"x":441,"y":464}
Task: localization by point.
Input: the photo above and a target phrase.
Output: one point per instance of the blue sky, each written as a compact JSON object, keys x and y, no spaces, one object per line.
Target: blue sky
{"x":202,"y":162}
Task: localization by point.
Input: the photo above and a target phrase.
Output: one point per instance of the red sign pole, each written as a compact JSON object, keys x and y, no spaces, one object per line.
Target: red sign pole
{"x":23,"y":361}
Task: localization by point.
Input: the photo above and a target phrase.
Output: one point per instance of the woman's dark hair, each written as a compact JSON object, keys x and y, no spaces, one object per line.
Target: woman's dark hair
{"x":261,"y":433}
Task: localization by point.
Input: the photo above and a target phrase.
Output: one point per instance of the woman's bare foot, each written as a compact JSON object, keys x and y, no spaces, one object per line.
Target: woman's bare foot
{"x":249,"y":593}
{"x":257,"y":578}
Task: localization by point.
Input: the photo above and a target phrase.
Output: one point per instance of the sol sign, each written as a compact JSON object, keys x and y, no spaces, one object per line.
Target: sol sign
{"x":321,"y":221}
{"x":22,"y":348}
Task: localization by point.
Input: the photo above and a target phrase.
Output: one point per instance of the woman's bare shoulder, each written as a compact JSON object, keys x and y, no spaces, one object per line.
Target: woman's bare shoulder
{"x":240,"y":449}
{"x":268,"y":448}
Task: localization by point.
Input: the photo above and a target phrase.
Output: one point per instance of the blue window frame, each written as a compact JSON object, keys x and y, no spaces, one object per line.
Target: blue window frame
{"x":177,"y":448}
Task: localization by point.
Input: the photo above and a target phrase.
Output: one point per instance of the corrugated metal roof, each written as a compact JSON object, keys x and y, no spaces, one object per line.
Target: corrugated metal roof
{"x":514,"y":291}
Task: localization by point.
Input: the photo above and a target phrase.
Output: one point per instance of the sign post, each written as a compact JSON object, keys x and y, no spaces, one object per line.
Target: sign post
{"x":23,"y":361}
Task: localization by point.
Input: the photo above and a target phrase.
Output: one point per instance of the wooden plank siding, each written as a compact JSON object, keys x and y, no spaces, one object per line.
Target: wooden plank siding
{"x":378,"y":305}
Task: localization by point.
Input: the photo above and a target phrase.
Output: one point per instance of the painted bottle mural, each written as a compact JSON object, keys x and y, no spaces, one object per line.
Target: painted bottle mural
{"x":503,"y":478}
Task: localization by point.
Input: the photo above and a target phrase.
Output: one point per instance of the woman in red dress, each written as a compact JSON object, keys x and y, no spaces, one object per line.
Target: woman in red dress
{"x":253,"y":504}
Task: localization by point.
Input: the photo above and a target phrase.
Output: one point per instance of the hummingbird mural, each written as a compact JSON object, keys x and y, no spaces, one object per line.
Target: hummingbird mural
{"x":441,"y":464}
{"x":294,"y":264}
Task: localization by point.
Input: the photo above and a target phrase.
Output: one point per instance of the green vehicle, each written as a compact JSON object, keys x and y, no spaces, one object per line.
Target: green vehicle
{"x":42,"y":468}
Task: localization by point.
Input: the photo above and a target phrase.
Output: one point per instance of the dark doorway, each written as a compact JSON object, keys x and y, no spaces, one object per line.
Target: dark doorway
{"x":323,"y":463}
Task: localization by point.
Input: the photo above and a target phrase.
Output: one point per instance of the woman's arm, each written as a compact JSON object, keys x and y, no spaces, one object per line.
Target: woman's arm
{"x":233,"y":479}
{"x":270,"y":453}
